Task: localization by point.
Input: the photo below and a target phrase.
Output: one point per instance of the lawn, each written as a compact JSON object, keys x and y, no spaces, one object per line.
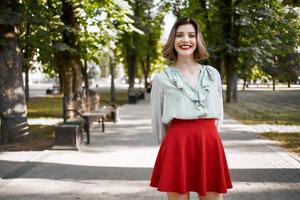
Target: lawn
{"x":271,"y":107}
{"x":51,"y":106}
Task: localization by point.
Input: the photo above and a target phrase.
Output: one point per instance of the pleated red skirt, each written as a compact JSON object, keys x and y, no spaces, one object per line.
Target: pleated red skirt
{"x":191,"y":158}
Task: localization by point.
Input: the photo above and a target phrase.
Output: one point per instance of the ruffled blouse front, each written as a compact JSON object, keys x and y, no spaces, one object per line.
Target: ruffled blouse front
{"x":197,"y":95}
{"x":172,"y":96}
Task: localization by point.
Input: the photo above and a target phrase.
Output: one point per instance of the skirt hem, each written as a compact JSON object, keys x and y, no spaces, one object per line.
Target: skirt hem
{"x":191,"y":190}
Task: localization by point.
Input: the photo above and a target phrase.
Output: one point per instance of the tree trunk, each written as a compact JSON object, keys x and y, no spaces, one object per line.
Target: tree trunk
{"x":231,"y":37}
{"x":144,"y":72}
{"x":61,"y":82}
{"x":289,"y":84}
{"x":70,"y":61}
{"x":27,"y":83}
{"x":77,"y":77}
{"x":274,"y":82}
{"x":112,"y":80}
{"x":77,"y":85}
{"x":147,"y":71}
{"x":13,"y":110}
{"x":26,"y":65}
{"x":131,"y":62}
{"x":244,"y":84}
{"x":85,"y":76}
{"x":231,"y":79}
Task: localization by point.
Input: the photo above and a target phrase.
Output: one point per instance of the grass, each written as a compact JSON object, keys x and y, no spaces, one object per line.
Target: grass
{"x":270,"y":107}
{"x":51,"y":106}
{"x":41,"y":137}
{"x":290,"y":141}
{"x":121,"y":95}
{"x":45,"y":107}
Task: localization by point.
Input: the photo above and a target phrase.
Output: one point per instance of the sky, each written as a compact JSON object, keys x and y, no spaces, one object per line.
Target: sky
{"x":169,"y":20}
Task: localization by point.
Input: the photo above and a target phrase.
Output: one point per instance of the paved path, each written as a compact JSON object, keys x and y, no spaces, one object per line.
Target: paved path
{"x":118,"y":164}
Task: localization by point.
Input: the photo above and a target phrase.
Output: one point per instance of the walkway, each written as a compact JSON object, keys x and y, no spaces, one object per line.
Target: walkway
{"x":118,"y":163}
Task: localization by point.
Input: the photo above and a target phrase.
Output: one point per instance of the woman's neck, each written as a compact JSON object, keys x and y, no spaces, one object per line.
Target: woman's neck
{"x":186,"y":64}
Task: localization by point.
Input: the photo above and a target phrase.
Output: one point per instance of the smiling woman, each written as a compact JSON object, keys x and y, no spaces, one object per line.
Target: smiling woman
{"x":187,"y":113}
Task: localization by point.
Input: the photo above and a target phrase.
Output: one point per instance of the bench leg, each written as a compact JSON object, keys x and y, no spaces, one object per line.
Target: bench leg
{"x":114,"y":116}
{"x":88,"y":136}
{"x":87,"y":130}
{"x":103,"y":125}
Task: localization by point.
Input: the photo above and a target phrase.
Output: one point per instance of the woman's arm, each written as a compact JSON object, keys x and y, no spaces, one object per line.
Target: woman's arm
{"x":219,"y":121}
{"x":157,"y":110}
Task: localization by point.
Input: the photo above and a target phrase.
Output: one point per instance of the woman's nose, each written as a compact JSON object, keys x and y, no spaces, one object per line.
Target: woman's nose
{"x":185,"y":38}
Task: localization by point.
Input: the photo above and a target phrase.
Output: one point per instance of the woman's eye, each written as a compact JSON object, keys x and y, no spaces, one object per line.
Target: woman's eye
{"x":192,"y":36}
{"x":179,"y":35}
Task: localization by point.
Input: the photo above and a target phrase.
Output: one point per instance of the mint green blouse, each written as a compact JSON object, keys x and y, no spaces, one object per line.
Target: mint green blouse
{"x":172,"y":96}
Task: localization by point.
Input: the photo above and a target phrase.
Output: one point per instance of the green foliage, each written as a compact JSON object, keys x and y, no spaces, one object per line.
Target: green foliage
{"x":42,"y":29}
{"x":38,"y":29}
{"x":269,"y":32}
{"x":148,"y":17}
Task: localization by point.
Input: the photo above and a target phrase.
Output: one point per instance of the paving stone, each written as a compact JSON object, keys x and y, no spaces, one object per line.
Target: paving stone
{"x":118,"y":165}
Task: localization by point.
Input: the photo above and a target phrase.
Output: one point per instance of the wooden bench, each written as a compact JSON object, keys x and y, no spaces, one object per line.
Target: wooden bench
{"x":84,"y":120}
{"x":68,"y":135}
{"x":54,"y":90}
{"x":135,"y":96}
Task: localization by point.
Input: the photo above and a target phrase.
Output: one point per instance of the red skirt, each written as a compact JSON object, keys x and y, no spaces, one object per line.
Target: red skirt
{"x":191,"y":158}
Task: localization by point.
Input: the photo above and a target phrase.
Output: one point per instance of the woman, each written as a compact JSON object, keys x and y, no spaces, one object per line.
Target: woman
{"x":187,"y":113}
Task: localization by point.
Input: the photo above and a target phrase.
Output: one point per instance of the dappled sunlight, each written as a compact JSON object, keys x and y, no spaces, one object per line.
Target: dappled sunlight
{"x":255,"y":187}
{"x":134,"y":121}
{"x":19,"y":91}
{"x":84,"y":182}
{"x":58,"y":189}
{"x":110,"y":156}
{"x":44,"y":121}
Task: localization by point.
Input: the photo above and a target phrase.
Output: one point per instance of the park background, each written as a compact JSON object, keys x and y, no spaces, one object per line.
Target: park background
{"x":83,"y":45}
{"x":108,"y":50}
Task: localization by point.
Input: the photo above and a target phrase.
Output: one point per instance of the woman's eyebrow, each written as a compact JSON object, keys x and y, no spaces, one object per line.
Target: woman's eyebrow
{"x":184,"y":32}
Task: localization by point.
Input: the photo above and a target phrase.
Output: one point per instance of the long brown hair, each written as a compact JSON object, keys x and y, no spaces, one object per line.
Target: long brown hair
{"x":200,"y":52}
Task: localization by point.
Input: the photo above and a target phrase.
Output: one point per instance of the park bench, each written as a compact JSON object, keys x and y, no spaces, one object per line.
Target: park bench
{"x":135,"y":95}
{"x":68,"y":135}
{"x":83,"y":121}
{"x":54,"y":90}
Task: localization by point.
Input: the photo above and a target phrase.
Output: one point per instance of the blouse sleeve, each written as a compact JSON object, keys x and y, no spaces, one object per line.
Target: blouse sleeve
{"x":219,"y":121}
{"x":157,"y":110}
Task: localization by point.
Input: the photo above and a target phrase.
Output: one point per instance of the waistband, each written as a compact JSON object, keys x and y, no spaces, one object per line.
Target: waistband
{"x":175,"y":121}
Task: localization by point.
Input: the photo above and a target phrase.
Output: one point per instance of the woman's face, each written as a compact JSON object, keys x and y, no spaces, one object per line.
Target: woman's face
{"x":185,"y":40}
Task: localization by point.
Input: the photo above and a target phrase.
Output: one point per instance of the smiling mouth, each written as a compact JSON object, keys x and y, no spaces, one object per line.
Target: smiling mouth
{"x":185,"y":47}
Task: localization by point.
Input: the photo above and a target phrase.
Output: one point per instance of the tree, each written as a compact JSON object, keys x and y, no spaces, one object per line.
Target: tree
{"x":34,"y":34}
{"x":242,"y":34}
{"x":13,"y":109}
{"x":290,"y":68}
{"x":149,"y":48}
{"x":270,"y":33}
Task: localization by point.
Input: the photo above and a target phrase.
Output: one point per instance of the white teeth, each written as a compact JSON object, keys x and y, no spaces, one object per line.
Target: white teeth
{"x":185,"y":46}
